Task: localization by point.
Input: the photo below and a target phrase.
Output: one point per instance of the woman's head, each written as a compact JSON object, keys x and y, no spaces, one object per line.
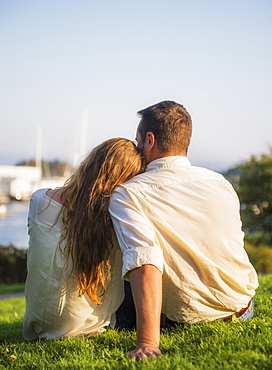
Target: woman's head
{"x":87,"y":224}
{"x":109,"y":165}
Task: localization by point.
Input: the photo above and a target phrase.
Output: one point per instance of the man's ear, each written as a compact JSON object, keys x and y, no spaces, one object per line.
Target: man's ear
{"x":149,"y":141}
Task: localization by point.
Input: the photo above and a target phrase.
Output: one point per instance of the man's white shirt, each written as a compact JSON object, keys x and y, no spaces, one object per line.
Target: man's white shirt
{"x":185,"y":220}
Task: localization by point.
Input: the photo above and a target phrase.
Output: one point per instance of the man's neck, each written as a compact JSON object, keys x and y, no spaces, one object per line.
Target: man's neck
{"x":158,"y":155}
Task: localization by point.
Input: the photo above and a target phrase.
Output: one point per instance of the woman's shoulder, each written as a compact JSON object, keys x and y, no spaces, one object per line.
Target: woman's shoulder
{"x":38,"y":193}
{"x":47,"y":194}
{"x":42,"y":207}
{"x":54,"y":194}
{"x":37,"y":202}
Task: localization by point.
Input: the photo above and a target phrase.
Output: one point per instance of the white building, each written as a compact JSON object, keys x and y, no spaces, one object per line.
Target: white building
{"x":19,"y":182}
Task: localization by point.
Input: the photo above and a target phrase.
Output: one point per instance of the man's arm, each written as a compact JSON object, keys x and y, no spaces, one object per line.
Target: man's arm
{"x":143,"y":260}
{"x":146,"y":285}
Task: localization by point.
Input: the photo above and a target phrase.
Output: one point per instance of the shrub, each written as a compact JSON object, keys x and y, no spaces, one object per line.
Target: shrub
{"x":261,"y":257}
{"x":12,"y":265}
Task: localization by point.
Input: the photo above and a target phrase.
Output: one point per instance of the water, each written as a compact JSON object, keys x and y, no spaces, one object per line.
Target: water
{"x":13,"y":226}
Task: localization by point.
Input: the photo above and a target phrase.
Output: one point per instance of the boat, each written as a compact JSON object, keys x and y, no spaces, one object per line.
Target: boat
{"x":3,"y":209}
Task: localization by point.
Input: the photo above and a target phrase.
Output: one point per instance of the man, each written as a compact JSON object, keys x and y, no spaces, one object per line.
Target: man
{"x":180,"y":232}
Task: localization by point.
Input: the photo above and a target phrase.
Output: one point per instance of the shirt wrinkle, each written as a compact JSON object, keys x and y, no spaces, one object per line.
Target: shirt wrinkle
{"x":173,"y":182}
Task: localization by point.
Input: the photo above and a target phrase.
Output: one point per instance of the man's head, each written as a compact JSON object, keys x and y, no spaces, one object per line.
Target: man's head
{"x":165,"y":127}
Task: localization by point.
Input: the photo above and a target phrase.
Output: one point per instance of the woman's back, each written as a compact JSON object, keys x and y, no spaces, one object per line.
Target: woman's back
{"x":54,"y":308}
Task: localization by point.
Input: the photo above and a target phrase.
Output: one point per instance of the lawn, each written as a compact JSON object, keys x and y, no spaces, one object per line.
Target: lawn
{"x":210,"y":346}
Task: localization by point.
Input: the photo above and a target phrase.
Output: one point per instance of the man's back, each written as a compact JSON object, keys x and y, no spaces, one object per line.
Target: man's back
{"x":192,"y":215}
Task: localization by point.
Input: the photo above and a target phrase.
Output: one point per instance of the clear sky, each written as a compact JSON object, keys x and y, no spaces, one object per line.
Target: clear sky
{"x":59,"y":59}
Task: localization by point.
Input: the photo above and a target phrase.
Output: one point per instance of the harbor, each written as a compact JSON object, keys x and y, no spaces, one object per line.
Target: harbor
{"x":17,"y":184}
{"x":13,"y":224}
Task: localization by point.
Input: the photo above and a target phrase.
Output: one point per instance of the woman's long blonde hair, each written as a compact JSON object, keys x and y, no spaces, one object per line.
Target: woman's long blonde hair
{"x":88,"y":229}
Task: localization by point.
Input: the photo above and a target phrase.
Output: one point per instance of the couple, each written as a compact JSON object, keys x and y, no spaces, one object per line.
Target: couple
{"x":173,"y":230}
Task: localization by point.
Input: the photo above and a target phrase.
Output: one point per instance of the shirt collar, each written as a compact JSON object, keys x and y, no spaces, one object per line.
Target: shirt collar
{"x":168,"y":162}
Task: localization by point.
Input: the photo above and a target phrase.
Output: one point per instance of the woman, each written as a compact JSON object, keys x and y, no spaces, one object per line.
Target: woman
{"x":73,"y":285}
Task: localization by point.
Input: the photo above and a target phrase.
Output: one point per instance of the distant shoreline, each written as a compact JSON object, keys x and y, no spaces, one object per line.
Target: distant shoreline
{"x":11,"y":295}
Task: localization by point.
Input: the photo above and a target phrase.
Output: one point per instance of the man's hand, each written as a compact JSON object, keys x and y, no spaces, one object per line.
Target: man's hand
{"x":144,"y":353}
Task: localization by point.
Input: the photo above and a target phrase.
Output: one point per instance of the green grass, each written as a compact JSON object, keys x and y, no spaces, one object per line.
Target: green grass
{"x":210,"y":346}
{"x":11,"y":288}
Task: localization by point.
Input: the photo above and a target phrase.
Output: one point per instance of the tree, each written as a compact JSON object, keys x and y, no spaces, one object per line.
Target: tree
{"x":49,"y":168}
{"x":253,"y":183}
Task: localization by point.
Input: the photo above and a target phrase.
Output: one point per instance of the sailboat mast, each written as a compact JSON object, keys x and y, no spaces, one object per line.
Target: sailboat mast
{"x":39,"y":147}
{"x":83,"y":137}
